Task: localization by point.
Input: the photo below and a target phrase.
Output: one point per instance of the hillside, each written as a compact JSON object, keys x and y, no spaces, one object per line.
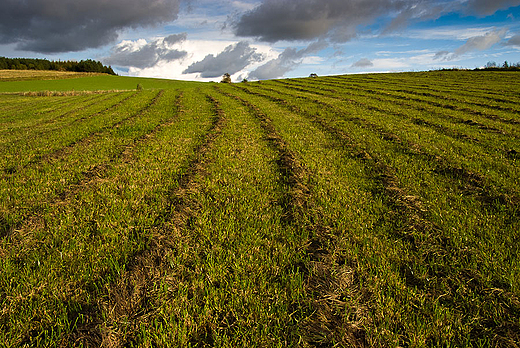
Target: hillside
{"x":12,"y":81}
{"x":357,"y":210}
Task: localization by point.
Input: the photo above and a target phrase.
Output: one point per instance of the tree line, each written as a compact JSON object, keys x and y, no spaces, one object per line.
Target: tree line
{"x":88,"y":65}
{"x":506,"y":66}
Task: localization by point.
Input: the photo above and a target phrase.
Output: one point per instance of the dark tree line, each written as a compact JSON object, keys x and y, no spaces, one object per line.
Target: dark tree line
{"x":88,"y":65}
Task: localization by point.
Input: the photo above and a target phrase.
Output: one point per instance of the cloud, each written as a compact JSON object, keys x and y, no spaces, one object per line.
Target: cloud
{"x":418,"y":11}
{"x":288,"y":60}
{"x":363,"y":63}
{"x":276,"y":20}
{"x":513,"y":41}
{"x":337,"y":20}
{"x":52,"y":26}
{"x":482,"y":42}
{"x":175,"y":38}
{"x":448,"y":33}
{"x":233,"y":59}
{"x":475,"y":43}
{"x":243,"y":5}
{"x":487,"y":7}
{"x":444,"y":55}
{"x":141,"y":54}
{"x":340,"y":20}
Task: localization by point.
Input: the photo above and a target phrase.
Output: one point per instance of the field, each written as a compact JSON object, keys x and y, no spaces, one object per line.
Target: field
{"x":17,"y":81}
{"x":365,"y":210}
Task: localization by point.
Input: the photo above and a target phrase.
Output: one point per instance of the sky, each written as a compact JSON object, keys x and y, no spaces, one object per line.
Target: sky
{"x":263,"y":39}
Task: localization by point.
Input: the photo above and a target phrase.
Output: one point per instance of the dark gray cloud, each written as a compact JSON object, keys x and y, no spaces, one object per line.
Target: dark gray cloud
{"x":337,"y":20}
{"x":418,"y":12}
{"x":444,"y":55}
{"x":174,"y":38}
{"x":233,"y":59}
{"x":128,"y":54}
{"x":340,"y":20}
{"x":276,"y":20}
{"x":288,"y":60}
{"x":51,"y":26}
{"x":363,"y":63}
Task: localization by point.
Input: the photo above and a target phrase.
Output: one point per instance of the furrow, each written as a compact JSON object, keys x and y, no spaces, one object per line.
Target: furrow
{"x":73,"y":107}
{"x":474,"y":184}
{"x":58,"y":103}
{"x":292,"y":171}
{"x":510,"y":153}
{"x":96,"y":172}
{"x":456,"y":89}
{"x":443,"y":105}
{"x":325,"y":325}
{"x":400,"y":100}
{"x":382,"y":172}
{"x":418,"y":121}
{"x":39,"y":134}
{"x":61,"y":152}
{"x":130,"y":296}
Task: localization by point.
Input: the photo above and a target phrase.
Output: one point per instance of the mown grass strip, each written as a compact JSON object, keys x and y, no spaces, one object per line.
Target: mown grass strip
{"x":493,"y":84}
{"x":475,"y":183}
{"x":232,"y":282}
{"x":383,"y":96}
{"x":450,"y":85}
{"x":498,"y":143}
{"x":23,"y":107}
{"x":313,"y":216}
{"x":491,"y":110}
{"x":51,"y":115}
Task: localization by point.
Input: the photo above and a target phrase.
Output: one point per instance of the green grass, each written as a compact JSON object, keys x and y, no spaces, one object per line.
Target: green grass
{"x":366,"y":210}
{"x":93,"y":83}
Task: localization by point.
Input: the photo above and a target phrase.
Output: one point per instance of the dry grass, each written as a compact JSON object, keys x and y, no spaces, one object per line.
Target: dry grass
{"x":62,"y":93}
{"x":66,"y":93}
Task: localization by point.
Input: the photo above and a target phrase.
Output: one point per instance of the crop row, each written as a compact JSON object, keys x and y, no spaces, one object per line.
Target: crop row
{"x":489,"y":153}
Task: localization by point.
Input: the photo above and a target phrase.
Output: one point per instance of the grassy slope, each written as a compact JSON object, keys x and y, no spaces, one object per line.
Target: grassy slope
{"x":368,"y":210}
{"x":88,"y":83}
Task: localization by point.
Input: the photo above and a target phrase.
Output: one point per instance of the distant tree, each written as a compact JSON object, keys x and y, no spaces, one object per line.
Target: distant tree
{"x":226,"y":78}
{"x":506,"y":65}
{"x":491,"y":65}
{"x":313,"y":75}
